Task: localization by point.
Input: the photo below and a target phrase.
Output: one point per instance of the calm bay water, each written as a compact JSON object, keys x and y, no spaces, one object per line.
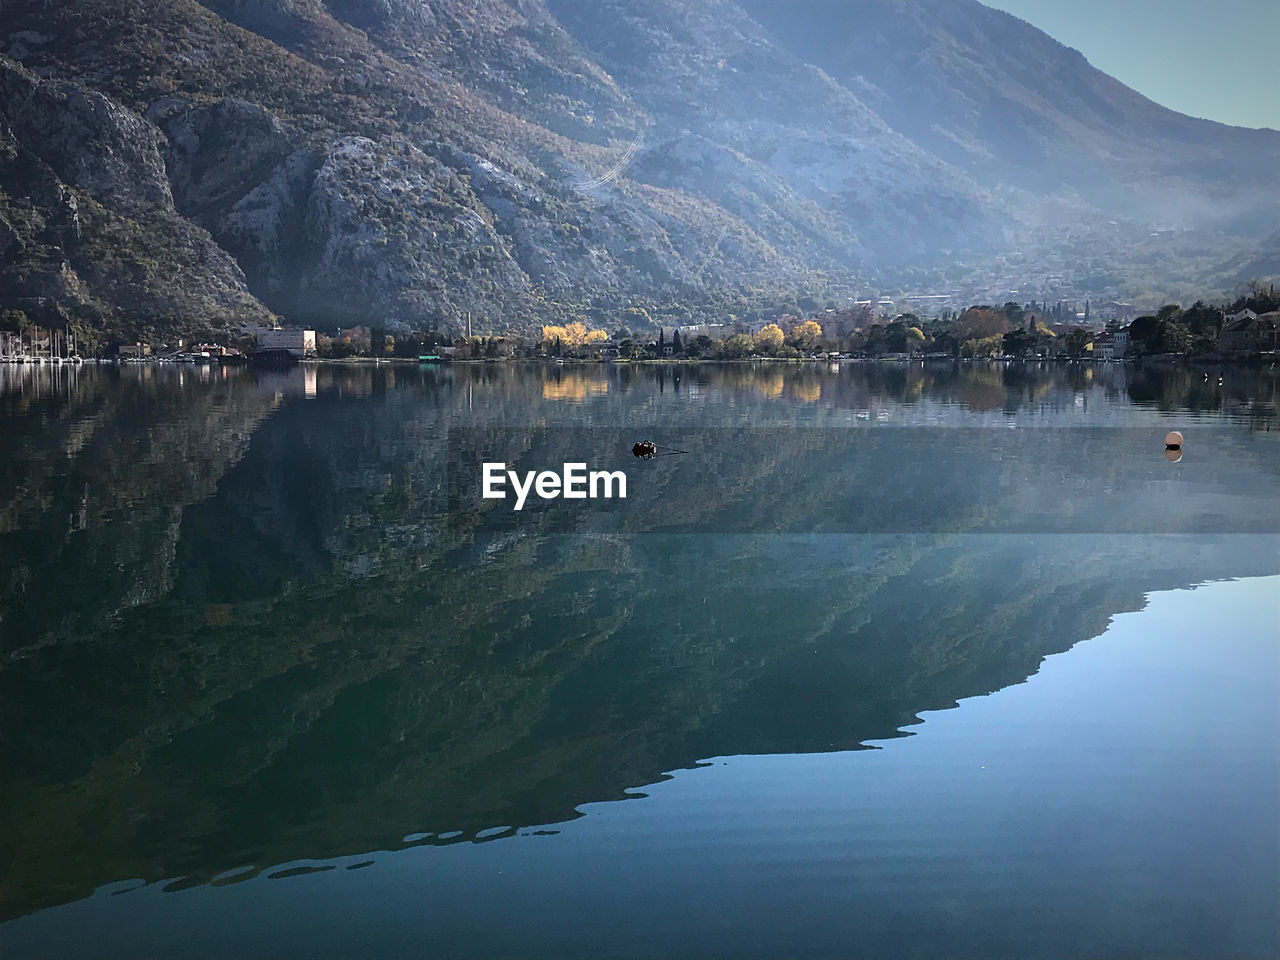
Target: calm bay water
{"x":897,"y":661}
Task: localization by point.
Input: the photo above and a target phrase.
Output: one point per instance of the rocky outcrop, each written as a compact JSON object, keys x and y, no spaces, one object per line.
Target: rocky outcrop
{"x":396,"y":221}
{"x":216,"y":153}
{"x":90,"y":220}
{"x":88,"y":140}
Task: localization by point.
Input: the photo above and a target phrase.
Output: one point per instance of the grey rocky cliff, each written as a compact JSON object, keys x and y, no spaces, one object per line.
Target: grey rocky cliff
{"x":91,"y":142}
{"x":87,"y":203}
{"x":395,"y":221}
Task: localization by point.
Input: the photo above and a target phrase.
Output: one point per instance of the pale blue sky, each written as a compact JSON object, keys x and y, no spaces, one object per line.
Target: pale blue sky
{"x":1207,"y":58}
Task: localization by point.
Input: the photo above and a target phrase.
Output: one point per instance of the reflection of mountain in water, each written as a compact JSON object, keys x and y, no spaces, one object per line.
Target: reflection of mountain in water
{"x":91,"y":503}
{"x":322,"y":663}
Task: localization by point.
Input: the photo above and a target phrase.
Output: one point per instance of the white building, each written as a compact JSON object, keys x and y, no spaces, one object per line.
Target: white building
{"x":1104,"y":346}
{"x":299,"y":343}
{"x":1112,"y":310}
{"x":1120,"y":343}
{"x":1237,"y":317}
{"x":691,"y":332}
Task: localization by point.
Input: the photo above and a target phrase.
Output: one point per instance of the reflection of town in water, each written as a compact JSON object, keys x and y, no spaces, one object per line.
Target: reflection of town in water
{"x":976,"y":386}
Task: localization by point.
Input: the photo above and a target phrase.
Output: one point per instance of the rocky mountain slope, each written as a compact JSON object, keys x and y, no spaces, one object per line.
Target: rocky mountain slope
{"x":414,"y":162}
{"x":1011,"y":106}
{"x":1261,"y":265}
{"x":87,"y":217}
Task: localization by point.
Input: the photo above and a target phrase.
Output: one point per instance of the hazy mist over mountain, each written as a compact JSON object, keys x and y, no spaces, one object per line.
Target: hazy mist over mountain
{"x":420,"y":160}
{"x":1011,"y":106}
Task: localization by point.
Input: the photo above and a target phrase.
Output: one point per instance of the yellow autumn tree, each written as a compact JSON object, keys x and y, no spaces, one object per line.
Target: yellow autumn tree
{"x":572,"y":335}
{"x":770,"y":339}
{"x":915,"y":339}
{"x":806,"y":335}
{"x":981,"y":323}
{"x":982,"y":347}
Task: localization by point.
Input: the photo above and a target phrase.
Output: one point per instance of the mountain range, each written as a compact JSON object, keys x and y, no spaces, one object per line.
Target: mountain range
{"x":173,"y":164}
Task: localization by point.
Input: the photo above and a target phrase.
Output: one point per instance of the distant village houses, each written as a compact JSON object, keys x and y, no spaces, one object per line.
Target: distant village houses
{"x":1249,"y":332}
{"x":1104,"y":347}
{"x":1113,"y":310}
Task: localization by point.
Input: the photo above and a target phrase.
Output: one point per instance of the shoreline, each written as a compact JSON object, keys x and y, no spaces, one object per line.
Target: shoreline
{"x":1136,"y":362}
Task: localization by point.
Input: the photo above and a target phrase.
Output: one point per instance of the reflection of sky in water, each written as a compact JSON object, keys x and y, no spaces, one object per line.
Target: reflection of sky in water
{"x":1121,"y":802}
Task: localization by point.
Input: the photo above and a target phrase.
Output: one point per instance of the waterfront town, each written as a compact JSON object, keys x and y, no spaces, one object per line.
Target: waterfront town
{"x":908,"y":328}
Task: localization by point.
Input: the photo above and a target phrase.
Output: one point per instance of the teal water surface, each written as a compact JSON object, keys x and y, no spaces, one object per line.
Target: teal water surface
{"x":898,"y":661}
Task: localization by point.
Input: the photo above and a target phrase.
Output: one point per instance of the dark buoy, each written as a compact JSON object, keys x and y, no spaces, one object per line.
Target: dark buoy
{"x":647,"y":450}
